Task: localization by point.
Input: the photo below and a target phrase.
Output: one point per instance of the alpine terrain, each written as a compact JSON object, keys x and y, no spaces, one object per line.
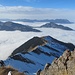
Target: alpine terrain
{"x":35,"y":53}
{"x":54,"y":25}
{"x":11,"y":26}
{"x":64,"y":65}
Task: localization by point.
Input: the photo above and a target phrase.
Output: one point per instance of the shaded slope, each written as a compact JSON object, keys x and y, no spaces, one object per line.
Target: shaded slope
{"x":44,"y":52}
{"x":54,"y":25}
{"x":11,"y":26}
{"x":30,"y":45}
{"x":1,"y":23}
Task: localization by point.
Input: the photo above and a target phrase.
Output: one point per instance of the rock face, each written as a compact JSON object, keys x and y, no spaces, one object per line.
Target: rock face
{"x":64,"y":65}
{"x":54,"y":25}
{"x":35,"y":53}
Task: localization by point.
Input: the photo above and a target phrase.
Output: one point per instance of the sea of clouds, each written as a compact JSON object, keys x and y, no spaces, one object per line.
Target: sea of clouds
{"x":10,"y":40}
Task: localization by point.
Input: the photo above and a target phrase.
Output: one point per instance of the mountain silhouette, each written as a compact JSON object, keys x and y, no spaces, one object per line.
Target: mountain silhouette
{"x":11,"y":26}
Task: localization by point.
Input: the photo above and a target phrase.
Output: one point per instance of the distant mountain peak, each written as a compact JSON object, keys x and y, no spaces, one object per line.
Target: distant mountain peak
{"x":11,"y":26}
{"x":54,"y":25}
{"x":62,"y":21}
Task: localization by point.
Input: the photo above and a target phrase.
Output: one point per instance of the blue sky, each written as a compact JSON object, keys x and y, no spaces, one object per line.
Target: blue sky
{"x":37,"y":9}
{"x":40,"y":3}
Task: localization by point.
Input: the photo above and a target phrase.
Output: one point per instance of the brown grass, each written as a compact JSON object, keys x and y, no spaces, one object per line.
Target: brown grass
{"x":4,"y":71}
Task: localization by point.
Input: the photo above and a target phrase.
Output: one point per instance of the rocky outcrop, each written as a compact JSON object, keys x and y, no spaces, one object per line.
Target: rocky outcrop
{"x":64,"y":65}
{"x":6,"y":69}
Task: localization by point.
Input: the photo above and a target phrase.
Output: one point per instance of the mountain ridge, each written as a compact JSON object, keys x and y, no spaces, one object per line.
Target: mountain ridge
{"x":32,"y":60}
{"x":29,"y":45}
{"x":11,"y":26}
{"x":54,"y":25}
{"x":64,"y":65}
{"x":63,"y":21}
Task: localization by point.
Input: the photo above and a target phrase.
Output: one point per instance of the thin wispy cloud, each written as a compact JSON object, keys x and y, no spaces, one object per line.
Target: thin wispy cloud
{"x":18,"y":12}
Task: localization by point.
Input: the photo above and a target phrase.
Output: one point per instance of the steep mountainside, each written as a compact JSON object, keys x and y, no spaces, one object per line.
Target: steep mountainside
{"x":64,"y":65}
{"x":11,"y":26}
{"x":54,"y":25}
{"x":36,"y":52}
{"x":30,"y":45}
{"x":1,"y":23}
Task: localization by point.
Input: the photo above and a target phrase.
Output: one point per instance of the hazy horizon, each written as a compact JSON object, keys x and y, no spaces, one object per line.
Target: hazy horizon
{"x":37,"y":9}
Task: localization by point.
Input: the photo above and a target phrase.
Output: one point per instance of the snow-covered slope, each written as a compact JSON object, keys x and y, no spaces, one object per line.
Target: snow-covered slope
{"x":32,"y":60}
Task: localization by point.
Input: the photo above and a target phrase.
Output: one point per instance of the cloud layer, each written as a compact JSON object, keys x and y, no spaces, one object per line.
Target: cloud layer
{"x":18,"y":12}
{"x":9,"y":41}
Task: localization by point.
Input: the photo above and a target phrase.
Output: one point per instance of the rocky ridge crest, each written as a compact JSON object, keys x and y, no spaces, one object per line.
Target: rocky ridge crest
{"x":64,"y":65}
